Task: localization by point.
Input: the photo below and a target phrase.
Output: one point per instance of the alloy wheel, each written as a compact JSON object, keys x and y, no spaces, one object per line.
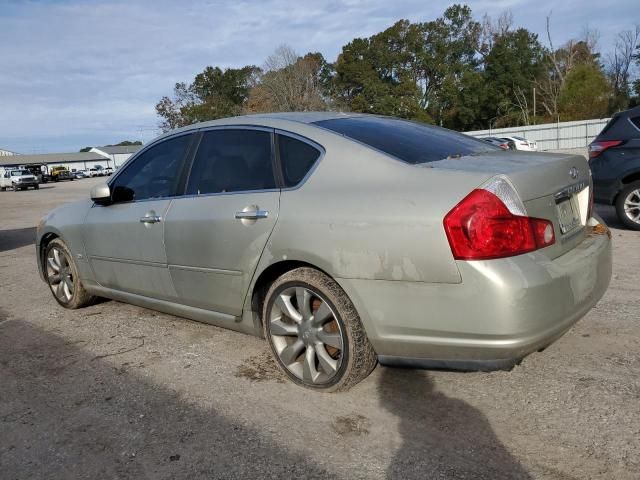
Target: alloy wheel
{"x":306,"y":335}
{"x":60,"y":274}
{"x":632,"y":206}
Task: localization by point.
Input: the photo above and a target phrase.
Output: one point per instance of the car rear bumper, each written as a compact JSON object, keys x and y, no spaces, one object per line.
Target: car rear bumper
{"x":605,"y":191}
{"x":502,"y":311}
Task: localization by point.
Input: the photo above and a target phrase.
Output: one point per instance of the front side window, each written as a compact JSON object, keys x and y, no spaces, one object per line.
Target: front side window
{"x":230,"y":160}
{"x":297,"y":158}
{"x":154,"y":174}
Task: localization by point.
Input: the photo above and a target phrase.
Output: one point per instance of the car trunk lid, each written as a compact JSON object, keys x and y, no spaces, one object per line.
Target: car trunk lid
{"x":555,"y":187}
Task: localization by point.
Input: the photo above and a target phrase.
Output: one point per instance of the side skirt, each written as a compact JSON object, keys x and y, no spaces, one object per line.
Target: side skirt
{"x":460,"y":365}
{"x":218,"y":319}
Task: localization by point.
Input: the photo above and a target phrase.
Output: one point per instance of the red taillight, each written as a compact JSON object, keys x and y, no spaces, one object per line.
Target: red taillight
{"x":504,"y":146}
{"x":596,"y":148}
{"x":481,"y":227}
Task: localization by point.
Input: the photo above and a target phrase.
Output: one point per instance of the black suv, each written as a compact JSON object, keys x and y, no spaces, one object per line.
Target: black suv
{"x":615,"y":165}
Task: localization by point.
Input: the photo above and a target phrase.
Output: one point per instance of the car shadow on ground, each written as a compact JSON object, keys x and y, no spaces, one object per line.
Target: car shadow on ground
{"x":442,"y":437}
{"x":16,"y":238}
{"x":65,"y":413}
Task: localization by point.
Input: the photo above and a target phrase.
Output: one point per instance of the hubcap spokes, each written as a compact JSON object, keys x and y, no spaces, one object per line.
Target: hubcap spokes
{"x":59,"y":275}
{"x":632,"y":206}
{"x":306,"y":335}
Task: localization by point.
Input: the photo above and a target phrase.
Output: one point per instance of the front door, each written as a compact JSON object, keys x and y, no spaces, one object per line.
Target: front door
{"x":125,"y":240}
{"x":215,"y":235}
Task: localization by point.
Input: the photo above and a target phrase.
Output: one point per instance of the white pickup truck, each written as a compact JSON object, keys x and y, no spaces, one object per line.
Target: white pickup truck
{"x":18,"y":179}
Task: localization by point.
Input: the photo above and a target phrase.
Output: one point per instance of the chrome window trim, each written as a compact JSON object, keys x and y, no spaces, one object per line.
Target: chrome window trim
{"x":195,"y":131}
{"x":244,"y":192}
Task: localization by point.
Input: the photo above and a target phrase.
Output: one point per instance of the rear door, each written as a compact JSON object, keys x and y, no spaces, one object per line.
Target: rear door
{"x":125,"y":240}
{"x":215,"y":234}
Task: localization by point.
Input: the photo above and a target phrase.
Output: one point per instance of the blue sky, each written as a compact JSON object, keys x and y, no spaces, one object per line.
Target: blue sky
{"x":75,"y":73}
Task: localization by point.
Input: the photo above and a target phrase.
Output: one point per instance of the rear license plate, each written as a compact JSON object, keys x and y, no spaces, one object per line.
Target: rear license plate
{"x":568,"y":215}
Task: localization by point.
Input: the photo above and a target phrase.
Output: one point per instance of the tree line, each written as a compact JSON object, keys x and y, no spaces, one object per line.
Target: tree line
{"x":454,"y":71}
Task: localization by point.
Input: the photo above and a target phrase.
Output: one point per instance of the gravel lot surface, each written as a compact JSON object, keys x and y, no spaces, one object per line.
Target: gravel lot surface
{"x":116,"y":391}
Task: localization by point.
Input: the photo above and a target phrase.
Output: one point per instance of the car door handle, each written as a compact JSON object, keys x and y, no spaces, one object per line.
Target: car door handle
{"x":151,"y":219}
{"x":252,"y":215}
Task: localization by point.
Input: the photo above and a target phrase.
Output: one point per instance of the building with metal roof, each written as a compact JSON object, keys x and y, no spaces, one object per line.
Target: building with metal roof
{"x":112,"y":157}
{"x":73,"y":161}
{"x":117,"y":153}
{"x":6,"y":153}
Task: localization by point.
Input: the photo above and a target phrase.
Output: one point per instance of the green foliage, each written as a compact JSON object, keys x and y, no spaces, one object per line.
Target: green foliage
{"x":453,"y":71}
{"x":214,"y":93}
{"x":126,"y":143}
{"x":585,"y":94}
{"x":510,"y":70}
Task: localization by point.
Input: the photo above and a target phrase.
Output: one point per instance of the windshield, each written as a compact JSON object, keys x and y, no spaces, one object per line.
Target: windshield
{"x":411,"y":142}
{"x":17,"y":173}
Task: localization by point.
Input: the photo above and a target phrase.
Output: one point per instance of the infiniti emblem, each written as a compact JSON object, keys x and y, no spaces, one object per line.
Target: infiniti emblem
{"x":573,"y":172}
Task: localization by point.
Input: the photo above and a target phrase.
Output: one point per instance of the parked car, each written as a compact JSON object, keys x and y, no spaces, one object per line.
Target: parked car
{"x":81,"y":174}
{"x":108,"y":171}
{"x":18,"y":179}
{"x":35,"y":170}
{"x":614,"y":156}
{"x":521,"y":143}
{"x":498,"y":142}
{"x":97,"y":171}
{"x":60,"y":173}
{"x":344,"y":239}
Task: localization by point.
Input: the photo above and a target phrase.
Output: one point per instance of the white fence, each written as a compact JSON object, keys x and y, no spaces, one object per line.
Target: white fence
{"x":552,"y":136}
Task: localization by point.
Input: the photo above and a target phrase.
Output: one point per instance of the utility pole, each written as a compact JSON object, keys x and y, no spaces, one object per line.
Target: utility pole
{"x":534,"y":105}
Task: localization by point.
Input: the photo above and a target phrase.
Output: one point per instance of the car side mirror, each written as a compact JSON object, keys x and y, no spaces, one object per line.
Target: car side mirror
{"x":101,"y":194}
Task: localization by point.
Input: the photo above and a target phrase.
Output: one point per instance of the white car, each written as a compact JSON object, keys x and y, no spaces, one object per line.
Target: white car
{"x":521,"y":143}
{"x":18,"y":179}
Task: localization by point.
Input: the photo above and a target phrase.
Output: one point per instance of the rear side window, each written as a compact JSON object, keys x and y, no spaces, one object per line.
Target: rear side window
{"x":230,"y":160}
{"x":636,"y":122}
{"x":411,"y":142}
{"x":297,"y":158}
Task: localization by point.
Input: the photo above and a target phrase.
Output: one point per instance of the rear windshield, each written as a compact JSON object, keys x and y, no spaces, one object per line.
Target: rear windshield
{"x":411,"y":142}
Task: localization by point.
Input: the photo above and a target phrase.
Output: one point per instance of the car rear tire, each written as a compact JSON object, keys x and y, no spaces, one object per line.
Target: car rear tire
{"x":315,"y":333}
{"x":63,"y":278}
{"x":628,"y":205}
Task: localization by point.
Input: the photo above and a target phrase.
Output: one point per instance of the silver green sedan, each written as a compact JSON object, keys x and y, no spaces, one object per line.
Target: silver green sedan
{"x":343,"y":239}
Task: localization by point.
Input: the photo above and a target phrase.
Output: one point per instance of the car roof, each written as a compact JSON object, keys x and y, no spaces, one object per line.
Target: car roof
{"x":270,"y":120}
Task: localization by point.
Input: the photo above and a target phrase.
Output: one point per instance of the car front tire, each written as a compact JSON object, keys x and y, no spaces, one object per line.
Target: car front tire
{"x":628,"y":205}
{"x":63,"y":278}
{"x":315,"y":333}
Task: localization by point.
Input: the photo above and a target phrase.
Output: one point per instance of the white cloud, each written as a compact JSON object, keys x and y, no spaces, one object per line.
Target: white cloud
{"x":91,"y":71}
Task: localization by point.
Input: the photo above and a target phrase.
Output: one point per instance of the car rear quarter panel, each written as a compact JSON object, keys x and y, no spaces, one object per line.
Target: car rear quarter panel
{"x":364,"y":215}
